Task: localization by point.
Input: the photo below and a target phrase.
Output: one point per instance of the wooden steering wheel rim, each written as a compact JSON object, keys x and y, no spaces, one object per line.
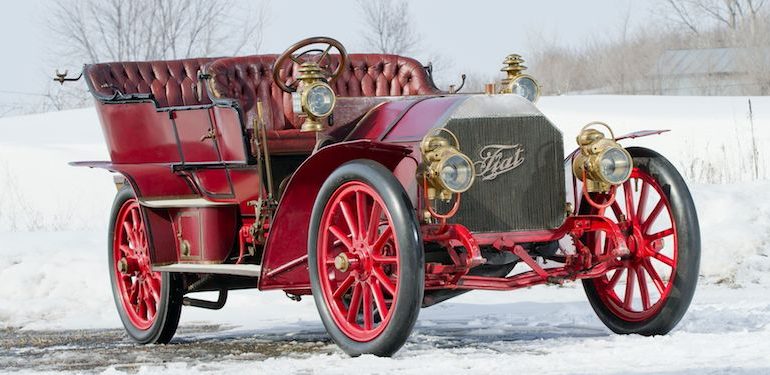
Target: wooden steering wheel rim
{"x":303,"y":43}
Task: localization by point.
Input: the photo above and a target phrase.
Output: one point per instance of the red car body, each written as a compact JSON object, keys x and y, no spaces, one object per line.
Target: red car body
{"x":182,"y":135}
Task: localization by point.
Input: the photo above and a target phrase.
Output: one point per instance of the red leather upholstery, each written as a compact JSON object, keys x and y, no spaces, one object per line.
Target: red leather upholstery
{"x":248,"y":79}
{"x":171,"y":83}
{"x":382,"y":75}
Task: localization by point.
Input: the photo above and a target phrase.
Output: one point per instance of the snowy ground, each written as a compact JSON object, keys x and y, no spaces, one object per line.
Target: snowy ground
{"x":57,"y":314}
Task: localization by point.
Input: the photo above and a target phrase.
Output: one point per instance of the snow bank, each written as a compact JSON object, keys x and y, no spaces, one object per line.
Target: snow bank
{"x":711,"y":138}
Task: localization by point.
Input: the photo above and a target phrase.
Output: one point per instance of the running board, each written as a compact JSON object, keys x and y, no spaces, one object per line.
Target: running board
{"x":251,"y":270}
{"x":181,"y":202}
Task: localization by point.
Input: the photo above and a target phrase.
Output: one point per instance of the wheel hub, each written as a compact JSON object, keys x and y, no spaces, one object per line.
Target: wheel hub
{"x":342,"y":263}
{"x":128,"y":266}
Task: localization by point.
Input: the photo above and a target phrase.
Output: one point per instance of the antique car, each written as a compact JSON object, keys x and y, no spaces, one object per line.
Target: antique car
{"x":353,"y":178}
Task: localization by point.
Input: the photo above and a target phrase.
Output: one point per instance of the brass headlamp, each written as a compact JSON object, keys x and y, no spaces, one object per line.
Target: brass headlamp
{"x":517,"y":82}
{"x":314,"y":97}
{"x":447,"y":170}
{"x":601,"y":162}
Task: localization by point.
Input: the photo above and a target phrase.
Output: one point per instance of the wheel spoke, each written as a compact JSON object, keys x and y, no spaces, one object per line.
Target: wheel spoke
{"x":154,"y":287}
{"x":642,"y":201}
{"x":127,"y":252}
{"x":661,"y":234}
{"x":135,"y":218}
{"x":384,"y":258}
{"x":615,"y":278}
{"x":355,"y":303}
{"x":617,"y":210}
{"x":141,"y":235}
{"x":643,"y":288}
{"x":630,"y":281}
{"x":349,"y":219}
{"x":384,"y":280}
{"x":384,"y":237}
{"x":337,"y":232}
{"x":126,"y":280}
{"x":133,"y":292}
{"x":129,"y":233}
{"x":344,"y":286}
{"x":150,"y":299}
{"x":361,"y":213}
{"x":664,"y":259}
{"x":597,"y":242}
{"x":653,"y":215}
{"x":374,"y":222}
{"x":656,"y":280}
{"x":141,"y":306}
{"x":629,"y":195}
{"x":367,"y":305}
{"x":379,"y":299}
{"x":607,"y":244}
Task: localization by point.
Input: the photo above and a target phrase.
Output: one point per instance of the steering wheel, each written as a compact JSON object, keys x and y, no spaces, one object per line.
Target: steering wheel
{"x":289,"y":54}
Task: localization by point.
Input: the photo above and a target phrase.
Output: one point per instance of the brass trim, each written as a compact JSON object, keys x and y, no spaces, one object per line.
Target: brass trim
{"x":586,"y":164}
{"x":513,"y":67}
{"x":306,"y":106}
{"x":436,"y":150}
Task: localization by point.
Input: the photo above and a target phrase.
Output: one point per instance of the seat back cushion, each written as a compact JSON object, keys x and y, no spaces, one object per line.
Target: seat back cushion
{"x":172,"y":83}
{"x":248,"y":79}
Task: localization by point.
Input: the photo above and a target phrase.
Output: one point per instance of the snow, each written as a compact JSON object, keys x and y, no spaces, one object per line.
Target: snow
{"x":53,"y":273}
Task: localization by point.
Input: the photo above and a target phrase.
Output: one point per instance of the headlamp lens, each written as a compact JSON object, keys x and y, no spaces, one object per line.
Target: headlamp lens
{"x":615,"y":166}
{"x":320,"y":100}
{"x":457,"y":173}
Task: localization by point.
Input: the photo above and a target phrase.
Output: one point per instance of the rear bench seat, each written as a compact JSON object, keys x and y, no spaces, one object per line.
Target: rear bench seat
{"x":171,"y":83}
{"x":245,"y":80}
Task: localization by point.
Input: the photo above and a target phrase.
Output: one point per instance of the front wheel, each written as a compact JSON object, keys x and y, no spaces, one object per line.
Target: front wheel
{"x":652,"y":290}
{"x":365,"y":259}
{"x":149,"y":303}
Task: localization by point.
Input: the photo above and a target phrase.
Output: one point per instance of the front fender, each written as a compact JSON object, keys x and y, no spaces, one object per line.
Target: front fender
{"x":284,"y":261}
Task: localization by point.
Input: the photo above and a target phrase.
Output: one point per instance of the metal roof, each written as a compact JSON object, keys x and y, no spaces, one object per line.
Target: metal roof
{"x":707,"y":61}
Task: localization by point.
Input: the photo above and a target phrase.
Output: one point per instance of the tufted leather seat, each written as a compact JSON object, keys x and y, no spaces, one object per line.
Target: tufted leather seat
{"x":249,"y":79}
{"x":172,"y":83}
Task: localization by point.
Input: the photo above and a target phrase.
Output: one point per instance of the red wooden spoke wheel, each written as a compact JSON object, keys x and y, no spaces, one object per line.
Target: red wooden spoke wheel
{"x":652,"y":289}
{"x":635,"y":291}
{"x":366,"y":260}
{"x":138,"y":286}
{"x":149,"y":303}
{"x":358,"y":261}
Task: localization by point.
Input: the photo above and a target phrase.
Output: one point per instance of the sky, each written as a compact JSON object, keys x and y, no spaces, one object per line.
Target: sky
{"x":468,"y":36}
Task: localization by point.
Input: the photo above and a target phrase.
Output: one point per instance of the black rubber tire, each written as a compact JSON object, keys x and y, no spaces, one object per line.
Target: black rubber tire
{"x":171,"y":294}
{"x":688,"y":264}
{"x":411,"y":257}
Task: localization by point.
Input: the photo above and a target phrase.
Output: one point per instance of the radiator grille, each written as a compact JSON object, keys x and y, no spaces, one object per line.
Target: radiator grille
{"x":522,"y":187}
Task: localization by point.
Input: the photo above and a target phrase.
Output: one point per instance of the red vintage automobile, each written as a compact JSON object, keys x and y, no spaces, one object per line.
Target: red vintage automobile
{"x":353,"y":178}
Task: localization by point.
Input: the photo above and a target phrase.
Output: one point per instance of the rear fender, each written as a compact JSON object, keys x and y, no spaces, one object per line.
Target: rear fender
{"x":284,"y":261}
{"x":210,"y":231}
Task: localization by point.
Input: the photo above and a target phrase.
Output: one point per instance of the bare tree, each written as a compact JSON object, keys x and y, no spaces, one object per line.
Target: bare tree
{"x":98,"y":30}
{"x":699,"y":15}
{"x":89,"y":31}
{"x":388,"y":26}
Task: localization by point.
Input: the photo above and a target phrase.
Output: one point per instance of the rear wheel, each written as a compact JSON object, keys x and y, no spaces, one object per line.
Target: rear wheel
{"x":149,"y":303}
{"x":366,"y":261}
{"x":653,"y":288}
